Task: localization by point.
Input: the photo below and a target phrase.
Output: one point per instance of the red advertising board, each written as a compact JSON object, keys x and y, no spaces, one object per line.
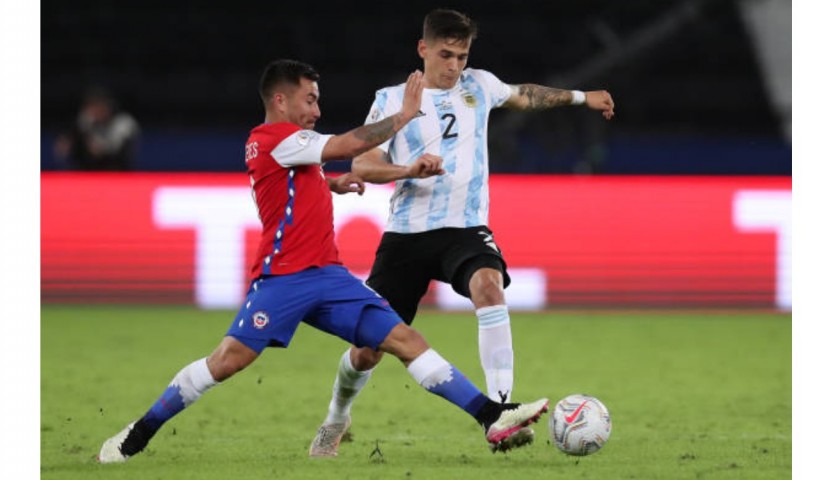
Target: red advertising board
{"x":568,"y":240}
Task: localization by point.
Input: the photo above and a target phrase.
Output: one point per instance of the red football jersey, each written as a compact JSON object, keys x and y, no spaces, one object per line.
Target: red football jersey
{"x":293,"y":199}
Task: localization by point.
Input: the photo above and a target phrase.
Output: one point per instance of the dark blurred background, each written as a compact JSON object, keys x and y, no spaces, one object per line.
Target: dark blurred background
{"x":701,"y":86}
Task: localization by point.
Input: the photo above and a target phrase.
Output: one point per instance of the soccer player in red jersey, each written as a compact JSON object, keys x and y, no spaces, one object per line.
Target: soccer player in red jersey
{"x":298,"y":277}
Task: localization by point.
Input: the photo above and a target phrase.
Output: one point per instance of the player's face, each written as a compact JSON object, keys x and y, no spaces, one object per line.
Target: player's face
{"x":443,"y":61}
{"x":302,"y":105}
{"x":97,"y":111}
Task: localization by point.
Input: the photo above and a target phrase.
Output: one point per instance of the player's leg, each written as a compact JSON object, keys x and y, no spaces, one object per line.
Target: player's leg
{"x":475,"y":268}
{"x":354,"y":370}
{"x":269,"y":316}
{"x":495,"y":344}
{"x":188,"y":385}
{"x":438,"y":376}
{"x":357,"y":314}
{"x":402,"y":287}
{"x":356,"y":364}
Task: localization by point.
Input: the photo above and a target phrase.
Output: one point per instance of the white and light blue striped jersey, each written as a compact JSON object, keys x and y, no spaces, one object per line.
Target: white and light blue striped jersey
{"x":452,"y":124}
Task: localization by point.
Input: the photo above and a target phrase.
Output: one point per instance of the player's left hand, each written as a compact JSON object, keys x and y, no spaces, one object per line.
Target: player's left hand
{"x":426,"y":166}
{"x":601,"y":100}
{"x":349,"y":182}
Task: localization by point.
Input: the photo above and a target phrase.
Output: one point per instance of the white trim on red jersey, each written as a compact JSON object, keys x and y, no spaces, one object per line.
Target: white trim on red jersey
{"x":304,"y":147}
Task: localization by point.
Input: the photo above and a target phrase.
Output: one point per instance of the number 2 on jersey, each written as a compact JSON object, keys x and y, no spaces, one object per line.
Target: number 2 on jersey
{"x":448,"y":133}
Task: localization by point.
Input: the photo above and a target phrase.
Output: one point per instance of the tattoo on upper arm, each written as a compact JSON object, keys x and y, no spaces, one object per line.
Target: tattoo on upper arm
{"x":539,"y":96}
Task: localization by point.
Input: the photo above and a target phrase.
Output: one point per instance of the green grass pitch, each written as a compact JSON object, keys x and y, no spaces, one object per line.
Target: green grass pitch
{"x":692,"y":395}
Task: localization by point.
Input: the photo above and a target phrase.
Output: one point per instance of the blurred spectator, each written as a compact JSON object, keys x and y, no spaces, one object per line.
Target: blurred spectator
{"x":103,"y":137}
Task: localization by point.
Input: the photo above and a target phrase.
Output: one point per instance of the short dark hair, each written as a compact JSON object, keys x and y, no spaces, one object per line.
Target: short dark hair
{"x":443,"y":23}
{"x":284,"y":72}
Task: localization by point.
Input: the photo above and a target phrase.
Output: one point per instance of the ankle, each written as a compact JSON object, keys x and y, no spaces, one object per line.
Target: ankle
{"x":137,"y":439}
{"x":488,"y":413}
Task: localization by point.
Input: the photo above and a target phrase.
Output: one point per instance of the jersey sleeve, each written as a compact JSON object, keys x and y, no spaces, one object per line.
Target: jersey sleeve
{"x":497,"y":90}
{"x":304,"y":147}
{"x":383,"y":107}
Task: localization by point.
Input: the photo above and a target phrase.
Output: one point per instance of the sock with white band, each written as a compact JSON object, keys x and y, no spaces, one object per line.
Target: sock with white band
{"x":440,"y":377}
{"x":495,"y":348}
{"x":187,"y":386}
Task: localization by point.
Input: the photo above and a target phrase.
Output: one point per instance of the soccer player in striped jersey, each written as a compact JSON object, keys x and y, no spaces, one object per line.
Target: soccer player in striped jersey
{"x":298,"y":277}
{"x":438,"y":226}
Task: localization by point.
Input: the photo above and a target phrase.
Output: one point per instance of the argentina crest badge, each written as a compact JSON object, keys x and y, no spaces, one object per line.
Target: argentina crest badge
{"x":469,"y":99}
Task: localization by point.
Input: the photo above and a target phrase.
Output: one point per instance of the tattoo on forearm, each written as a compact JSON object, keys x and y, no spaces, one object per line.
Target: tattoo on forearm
{"x":544,"y":97}
{"x":378,"y":132}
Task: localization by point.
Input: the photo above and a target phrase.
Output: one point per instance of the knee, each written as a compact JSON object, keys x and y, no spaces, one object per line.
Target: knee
{"x":229,"y":359}
{"x":405,"y":343}
{"x":223,"y":366}
{"x":487,"y":288}
{"x":365,"y":358}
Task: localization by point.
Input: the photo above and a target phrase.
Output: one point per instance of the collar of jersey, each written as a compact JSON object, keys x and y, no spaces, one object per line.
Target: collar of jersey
{"x":438,"y":91}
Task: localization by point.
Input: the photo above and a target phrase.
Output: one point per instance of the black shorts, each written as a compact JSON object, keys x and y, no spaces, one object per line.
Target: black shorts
{"x":406,"y":263}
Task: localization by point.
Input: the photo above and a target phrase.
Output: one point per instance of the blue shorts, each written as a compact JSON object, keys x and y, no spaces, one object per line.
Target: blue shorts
{"x":329,"y":299}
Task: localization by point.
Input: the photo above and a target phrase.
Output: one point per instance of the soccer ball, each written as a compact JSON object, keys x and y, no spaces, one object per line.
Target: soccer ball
{"x":579,"y":425}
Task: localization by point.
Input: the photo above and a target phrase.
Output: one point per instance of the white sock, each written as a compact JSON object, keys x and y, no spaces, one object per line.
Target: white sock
{"x":194,"y":380}
{"x":495,"y":347}
{"x":348,"y":383}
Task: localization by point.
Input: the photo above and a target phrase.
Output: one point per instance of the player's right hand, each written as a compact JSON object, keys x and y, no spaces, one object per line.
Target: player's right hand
{"x":428,"y":165}
{"x":413,"y":94}
{"x":601,"y":100}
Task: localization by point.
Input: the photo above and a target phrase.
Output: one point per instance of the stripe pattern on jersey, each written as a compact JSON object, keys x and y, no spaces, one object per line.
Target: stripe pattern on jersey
{"x":477,"y":201}
{"x":286,"y":219}
{"x":452,"y":124}
{"x":407,"y":188}
{"x":439,"y":206}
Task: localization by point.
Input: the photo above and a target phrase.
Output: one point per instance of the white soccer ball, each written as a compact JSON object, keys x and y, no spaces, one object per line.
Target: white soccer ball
{"x":579,"y":425}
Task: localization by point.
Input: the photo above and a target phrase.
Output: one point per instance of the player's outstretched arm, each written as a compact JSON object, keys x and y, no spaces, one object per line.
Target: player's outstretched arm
{"x":361,"y":139}
{"x":373,"y":166}
{"x":530,"y":96}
